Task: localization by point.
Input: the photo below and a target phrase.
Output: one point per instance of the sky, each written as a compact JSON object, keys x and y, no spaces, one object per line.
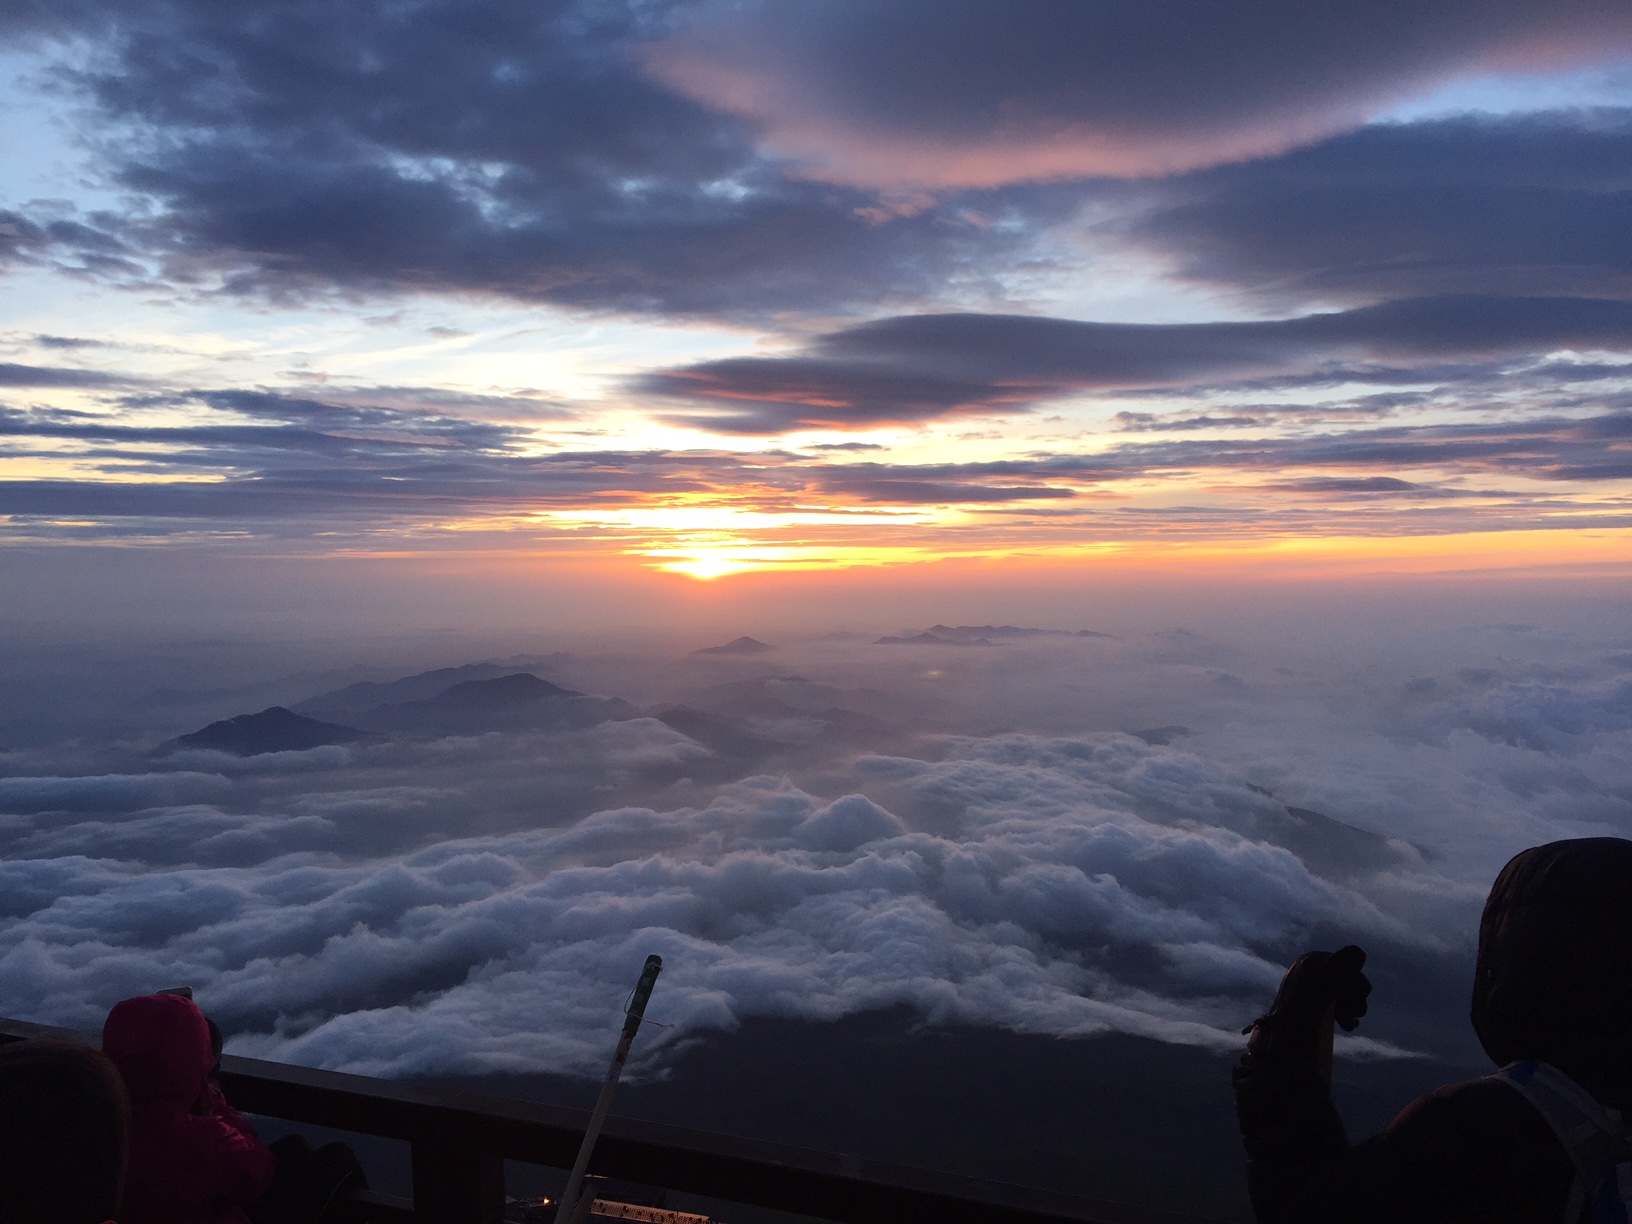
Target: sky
{"x":1274,"y":358}
{"x":613,"y":291}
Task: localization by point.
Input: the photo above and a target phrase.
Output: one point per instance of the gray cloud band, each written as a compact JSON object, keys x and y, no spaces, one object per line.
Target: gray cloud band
{"x":922,"y":367}
{"x":277,"y":474}
{"x":536,"y":156}
{"x":909,"y":94}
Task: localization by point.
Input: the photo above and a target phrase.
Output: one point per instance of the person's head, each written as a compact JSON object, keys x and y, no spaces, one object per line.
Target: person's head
{"x":161,"y":1045}
{"x":1554,"y":976}
{"x":63,"y":1134}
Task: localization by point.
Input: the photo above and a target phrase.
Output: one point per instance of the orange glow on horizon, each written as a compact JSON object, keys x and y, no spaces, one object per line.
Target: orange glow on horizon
{"x":1307,"y":556}
{"x":725,"y":558}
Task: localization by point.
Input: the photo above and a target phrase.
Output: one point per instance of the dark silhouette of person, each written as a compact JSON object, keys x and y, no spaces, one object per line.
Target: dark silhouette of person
{"x":193,"y":1158}
{"x":63,"y":1134}
{"x":1542,"y":1141}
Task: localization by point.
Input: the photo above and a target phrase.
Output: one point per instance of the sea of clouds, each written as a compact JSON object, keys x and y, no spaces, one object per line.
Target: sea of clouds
{"x":1019,"y":857}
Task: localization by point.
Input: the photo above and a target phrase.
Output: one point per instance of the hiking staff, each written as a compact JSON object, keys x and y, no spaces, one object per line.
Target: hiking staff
{"x":570,"y":1211}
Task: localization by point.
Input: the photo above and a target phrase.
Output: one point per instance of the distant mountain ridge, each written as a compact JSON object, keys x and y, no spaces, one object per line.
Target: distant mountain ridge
{"x":980,"y":635}
{"x":515,"y":702}
{"x":274,"y":729}
{"x":466,"y":700}
{"x":737,"y":646}
{"x":954,"y":632}
{"x":513,"y":689}
{"x":933,"y":639}
{"x":370,"y":694}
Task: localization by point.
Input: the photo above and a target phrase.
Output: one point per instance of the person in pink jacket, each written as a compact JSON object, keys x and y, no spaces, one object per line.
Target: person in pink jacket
{"x":193,"y":1158}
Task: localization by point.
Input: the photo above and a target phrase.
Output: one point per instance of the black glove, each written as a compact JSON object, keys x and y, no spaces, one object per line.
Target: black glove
{"x":1290,"y":1031}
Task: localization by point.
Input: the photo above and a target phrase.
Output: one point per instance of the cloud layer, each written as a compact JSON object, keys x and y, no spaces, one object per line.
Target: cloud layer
{"x":493,"y":953}
{"x":921,"y":367}
{"x":1432,"y":415}
{"x":911,"y":95}
{"x":475,"y":903}
{"x":292,"y":152}
{"x":661,"y":158}
{"x":1480,"y":204}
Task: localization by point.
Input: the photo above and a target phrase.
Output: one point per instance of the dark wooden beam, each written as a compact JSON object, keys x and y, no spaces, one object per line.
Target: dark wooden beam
{"x":456,"y":1183}
{"x":460,"y":1138}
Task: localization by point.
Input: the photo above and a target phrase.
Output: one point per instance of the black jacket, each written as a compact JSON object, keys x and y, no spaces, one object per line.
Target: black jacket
{"x":1554,"y":983}
{"x":1469,"y":1152}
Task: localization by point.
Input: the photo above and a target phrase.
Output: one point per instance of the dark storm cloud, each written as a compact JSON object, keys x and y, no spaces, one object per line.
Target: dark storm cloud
{"x":513,"y":149}
{"x":922,"y":367}
{"x":921,"y":92}
{"x":1512,"y":204}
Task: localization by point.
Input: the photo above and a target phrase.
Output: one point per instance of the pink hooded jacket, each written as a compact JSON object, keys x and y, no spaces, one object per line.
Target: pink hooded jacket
{"x":193,"y":1159}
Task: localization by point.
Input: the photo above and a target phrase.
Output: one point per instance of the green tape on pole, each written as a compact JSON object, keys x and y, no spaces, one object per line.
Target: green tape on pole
{"x":643,"y":992}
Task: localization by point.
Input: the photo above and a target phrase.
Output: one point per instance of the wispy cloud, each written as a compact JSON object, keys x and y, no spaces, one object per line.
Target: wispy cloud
{"x":922,"y":367}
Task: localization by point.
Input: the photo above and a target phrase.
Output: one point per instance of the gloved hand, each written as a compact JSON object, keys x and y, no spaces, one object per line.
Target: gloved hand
{"x":1319,"y":988}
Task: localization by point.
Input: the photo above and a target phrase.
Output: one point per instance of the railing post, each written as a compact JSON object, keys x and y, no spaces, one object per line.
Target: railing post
{"x":456,"y":1184}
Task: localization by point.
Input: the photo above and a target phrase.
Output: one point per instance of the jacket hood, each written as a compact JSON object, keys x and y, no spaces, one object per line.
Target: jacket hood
{"x":161,"y":1045}
{"x":1554,"y":976}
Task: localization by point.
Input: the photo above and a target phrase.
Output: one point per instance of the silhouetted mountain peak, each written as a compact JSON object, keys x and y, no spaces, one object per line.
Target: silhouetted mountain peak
{"x":274,"y":729}
{"x":519,"y":701}
{"x":737,"y":646}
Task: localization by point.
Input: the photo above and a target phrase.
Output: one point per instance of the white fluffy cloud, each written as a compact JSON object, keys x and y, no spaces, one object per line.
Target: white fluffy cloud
{"x":511,"y":951}
{"x":108,"y":792}
{"x":482,"y":903}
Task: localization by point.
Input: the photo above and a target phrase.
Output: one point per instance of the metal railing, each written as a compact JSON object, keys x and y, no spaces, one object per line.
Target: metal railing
{"x":460,"y":1140}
